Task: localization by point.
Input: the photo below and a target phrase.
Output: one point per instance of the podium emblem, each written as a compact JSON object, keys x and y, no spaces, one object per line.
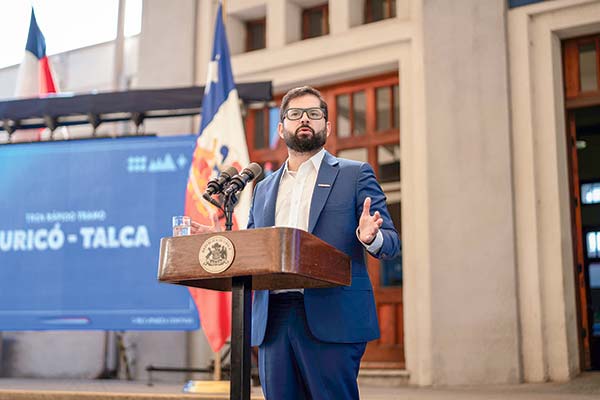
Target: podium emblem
{"x":216,"y":254}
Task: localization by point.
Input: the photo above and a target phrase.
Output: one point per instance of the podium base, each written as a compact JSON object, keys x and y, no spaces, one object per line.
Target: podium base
{"x":206,"y":387}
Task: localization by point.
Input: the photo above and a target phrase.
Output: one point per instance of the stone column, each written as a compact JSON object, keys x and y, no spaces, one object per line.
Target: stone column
{"x":459,"y":249}
{"x":166,"y":54}
{"x":284,"y":23}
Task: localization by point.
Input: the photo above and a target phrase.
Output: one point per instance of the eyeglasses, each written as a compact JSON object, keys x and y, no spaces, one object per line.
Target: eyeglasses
{"x":294,"y":114}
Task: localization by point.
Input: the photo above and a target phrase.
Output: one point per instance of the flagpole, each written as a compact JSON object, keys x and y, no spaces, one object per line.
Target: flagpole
{"x":119,"y":60}
{"x":218,"y":375}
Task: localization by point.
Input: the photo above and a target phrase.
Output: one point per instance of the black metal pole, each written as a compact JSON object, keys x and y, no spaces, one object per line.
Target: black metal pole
{"x":228,"y":206}
{"x":241,"y":314}
{"x":241,"y":291}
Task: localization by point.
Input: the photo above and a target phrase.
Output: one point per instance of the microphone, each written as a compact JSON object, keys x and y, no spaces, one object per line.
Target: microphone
{"x":217,"y":184}
{"x":240,"y":181}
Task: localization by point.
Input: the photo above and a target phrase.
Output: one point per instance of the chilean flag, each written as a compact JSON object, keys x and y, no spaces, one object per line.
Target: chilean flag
{"x":221,"y":142}
{"x":35,"y":77}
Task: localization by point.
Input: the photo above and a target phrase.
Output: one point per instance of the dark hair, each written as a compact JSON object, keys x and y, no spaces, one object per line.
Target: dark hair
{"x":299,"y":92}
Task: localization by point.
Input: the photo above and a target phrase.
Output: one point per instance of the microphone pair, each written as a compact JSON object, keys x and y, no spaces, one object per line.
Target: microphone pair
{"x":230,"y":182}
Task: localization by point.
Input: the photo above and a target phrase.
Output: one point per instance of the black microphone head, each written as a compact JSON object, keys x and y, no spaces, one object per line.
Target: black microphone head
{"x":215,"y":185}
{"x":239,"y":181}
{"x":254,"y":169}
{"x":229,"y":171}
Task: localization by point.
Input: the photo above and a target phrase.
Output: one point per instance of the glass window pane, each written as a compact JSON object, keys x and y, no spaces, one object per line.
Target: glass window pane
{"x":314,"y":23}
{"x":382,"y":103}
{"x":343,"y":115}
{"x":256,"y":35}
{"x":596,"y":193}
{"x":592,"y":244}
{"x":273,"y":122}
{"x":388,"y":160}
{"x":588,"y":67}
{"x":594,"y":273}
{"x":356,"y":154}
{"x":378,"y":10}
{"x":590,"y":193}
{"x":359,"y":111}
{"x":396,"y":106}
{"x":259,"y":130}
{"x":594,"y":276}
{"x":586,"y":193}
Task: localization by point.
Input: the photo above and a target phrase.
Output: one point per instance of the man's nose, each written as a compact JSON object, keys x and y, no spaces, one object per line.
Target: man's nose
{"x":304,"y":118}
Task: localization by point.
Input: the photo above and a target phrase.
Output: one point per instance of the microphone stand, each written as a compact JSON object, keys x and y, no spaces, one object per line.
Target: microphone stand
{"x":229,"y":204}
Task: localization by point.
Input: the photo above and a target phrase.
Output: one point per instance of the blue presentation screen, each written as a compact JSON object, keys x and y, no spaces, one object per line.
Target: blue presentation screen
{"x":80,"y":229}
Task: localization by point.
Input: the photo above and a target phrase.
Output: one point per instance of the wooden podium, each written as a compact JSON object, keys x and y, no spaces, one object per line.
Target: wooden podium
{"x":239,"y":261}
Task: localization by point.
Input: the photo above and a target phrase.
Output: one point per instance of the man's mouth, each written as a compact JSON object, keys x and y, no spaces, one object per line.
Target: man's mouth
{"x":305,"y":130}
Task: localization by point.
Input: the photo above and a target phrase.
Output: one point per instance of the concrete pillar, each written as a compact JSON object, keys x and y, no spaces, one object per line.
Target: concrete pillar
{"x":284,"y":20}
{"x":205,"y":28}
{"x":339,"y":16}
{"x":403,"y":9}
{"x":236,"y":34}
{"x":166,"y":54}
{"x":460,"y":293}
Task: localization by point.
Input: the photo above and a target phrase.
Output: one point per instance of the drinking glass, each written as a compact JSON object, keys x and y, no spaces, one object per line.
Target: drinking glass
{"x":181,"y":225}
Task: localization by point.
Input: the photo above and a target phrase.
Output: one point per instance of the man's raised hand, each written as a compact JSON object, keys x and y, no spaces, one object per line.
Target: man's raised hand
{"x":368,"y":225}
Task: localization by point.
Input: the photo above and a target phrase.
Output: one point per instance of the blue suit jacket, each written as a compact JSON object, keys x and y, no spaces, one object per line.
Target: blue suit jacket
{"x":340,"y":314}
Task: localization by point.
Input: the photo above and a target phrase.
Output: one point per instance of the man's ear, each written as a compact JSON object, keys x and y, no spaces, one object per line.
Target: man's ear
{"x":280,"y":129}
{"x":328,"y":127}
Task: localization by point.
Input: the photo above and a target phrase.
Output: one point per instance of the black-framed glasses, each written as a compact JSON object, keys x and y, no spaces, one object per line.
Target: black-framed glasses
{"x":294,"y":114}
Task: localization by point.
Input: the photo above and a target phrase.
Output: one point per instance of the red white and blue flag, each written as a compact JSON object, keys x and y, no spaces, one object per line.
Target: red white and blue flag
{"x":221,"y":142}
{"x":35,"y":75}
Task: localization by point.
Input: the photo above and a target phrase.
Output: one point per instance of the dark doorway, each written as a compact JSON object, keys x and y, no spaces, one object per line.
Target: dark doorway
{"x":584,"y":126}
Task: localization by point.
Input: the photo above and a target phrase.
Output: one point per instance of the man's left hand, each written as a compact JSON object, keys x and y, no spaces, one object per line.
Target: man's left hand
{"x":368,"y":225}
{"x":197,"y":228}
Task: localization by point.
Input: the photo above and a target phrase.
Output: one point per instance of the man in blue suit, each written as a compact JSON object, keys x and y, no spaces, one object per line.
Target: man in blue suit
{"x":311,"y":341}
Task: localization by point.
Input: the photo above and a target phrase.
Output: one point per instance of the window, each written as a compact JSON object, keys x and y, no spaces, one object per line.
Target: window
{"x":388,"y":163}
{"x":256,"y":34}
{"x":590,"y":193}
{"x":264,"y":144}
{"x":593,"y":244}
{"x":376,"y":10}
{"x":387,"y":105}
{"x":263,"y":125}
{"x":315,"y":21}
{"x":351,"y":114}
{"x":588,"y":67}
{"x":581,"y":58}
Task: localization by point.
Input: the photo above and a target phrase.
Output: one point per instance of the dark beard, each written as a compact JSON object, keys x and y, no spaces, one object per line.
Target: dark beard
{"x":305,"y":144}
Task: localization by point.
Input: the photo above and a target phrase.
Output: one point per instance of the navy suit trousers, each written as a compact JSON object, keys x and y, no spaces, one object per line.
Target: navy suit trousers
{"x":293,"y":364}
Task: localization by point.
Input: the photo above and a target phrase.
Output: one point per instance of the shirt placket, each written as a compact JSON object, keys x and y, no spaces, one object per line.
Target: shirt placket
{"x":296,"y":200}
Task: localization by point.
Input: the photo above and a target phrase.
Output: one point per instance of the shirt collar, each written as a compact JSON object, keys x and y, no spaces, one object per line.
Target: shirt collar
{"x":316,"y":160}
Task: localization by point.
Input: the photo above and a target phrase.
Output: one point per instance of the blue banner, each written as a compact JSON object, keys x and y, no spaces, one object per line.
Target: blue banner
{"x":80,"y":229}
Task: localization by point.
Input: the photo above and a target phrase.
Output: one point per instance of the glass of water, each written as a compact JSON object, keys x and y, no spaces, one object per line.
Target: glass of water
{"x":181,"y":225}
